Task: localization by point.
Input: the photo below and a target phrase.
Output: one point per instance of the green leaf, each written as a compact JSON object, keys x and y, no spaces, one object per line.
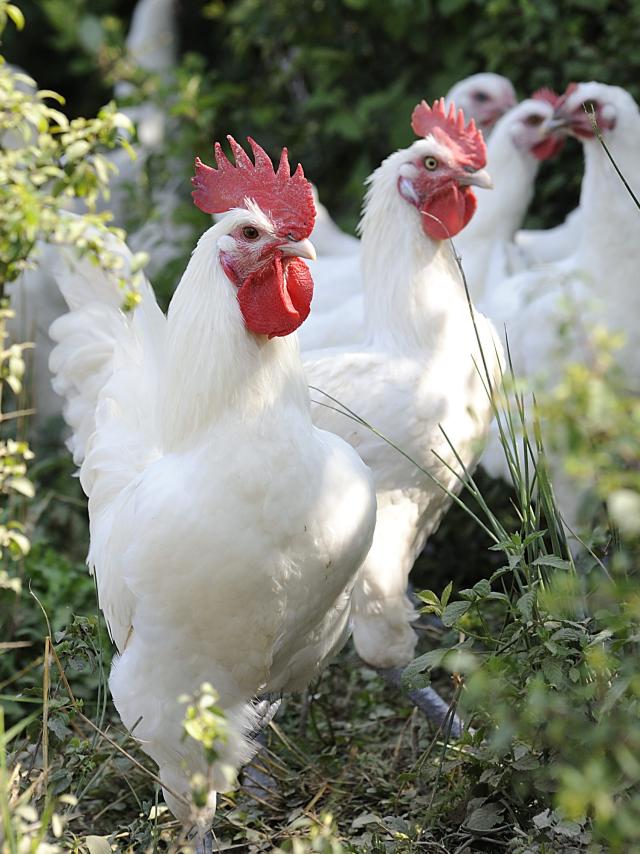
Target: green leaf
{"x":22,"y":485}
{"x":77,"y":149}
{"x":482,"y":588}
{"x":446,"y":593}
{"x":484,"y":818}
{"x":553,"y":673}
{"x":414,"y":676}
{"x":525,"y":604}
{"x":553,"y":561}
{"x":429,"y":596}
{"x":453,"y":612}
{"x":16,"y":15}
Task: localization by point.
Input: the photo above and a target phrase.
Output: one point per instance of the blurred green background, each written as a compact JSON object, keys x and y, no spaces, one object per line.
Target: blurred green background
{"x":335,"y":80}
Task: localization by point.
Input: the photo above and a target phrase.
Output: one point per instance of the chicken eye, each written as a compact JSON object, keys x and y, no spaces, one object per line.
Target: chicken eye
{"x":533,"y":121}
{"x":250,"y":232}
{"x":481,"y":97}
{"x":430,"y":163}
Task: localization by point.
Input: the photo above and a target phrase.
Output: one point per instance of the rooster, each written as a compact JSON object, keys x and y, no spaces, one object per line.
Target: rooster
{"x":598,"y":281}
{"x":226,"y":530}
{"x":520,"y":141}
{"x":415,"y":378}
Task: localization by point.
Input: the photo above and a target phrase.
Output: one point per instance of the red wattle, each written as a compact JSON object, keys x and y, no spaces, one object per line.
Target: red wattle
{"x":549,"y":147}
{"x":272,"y":306}
{"x":447,"y":213}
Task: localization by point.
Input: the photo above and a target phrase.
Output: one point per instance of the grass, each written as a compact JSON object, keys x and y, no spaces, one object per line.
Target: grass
{"x":352,"y":750}
{"x":357,"y":769}
{"x":540,"y":654}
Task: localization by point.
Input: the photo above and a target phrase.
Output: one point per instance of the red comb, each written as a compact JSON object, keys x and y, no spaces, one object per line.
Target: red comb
{"x":571,"y":88}
{"x":548,"y":95}
{"x":285,"y":198}
{"x":449,"y":128}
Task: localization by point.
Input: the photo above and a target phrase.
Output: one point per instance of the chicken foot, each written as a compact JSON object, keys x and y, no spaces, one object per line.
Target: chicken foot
{"x":204,"y":844}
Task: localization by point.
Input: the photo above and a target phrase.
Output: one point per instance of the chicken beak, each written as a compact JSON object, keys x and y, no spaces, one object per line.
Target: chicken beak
{"x":556,"y":123}
{"x":299,"y":248}
{"x":480,"y":178}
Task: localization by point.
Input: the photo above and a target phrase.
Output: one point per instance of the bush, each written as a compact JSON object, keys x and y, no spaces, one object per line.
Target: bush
{"x":336,"y":80}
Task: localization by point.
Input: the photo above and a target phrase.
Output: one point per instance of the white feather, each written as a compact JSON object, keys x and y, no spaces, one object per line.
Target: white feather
{"x":412,"y":378}
{"x":226,"y":530}
{"x":548,"y":312}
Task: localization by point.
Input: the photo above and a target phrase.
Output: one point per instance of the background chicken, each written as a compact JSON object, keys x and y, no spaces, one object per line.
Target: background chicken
{"x":484,"y":98}
{"x":226,"y":530}
{"x":37,"y":302}
{"x":415,"y":377}
{"x":337,"y":318}
{"x":521,"y":140}
{"x":548,"y":311}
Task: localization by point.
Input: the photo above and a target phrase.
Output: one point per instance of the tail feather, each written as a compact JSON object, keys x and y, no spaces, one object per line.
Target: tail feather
{"x":96,"y":336}
{"x":105,"y":364}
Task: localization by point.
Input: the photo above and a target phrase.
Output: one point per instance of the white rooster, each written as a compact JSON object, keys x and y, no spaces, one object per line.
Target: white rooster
{"x":547,"y":311}
{"x":415,"y":377}
{"x":226,"y":530}
{"x":520,"y":141}
{"x":338,"y":317}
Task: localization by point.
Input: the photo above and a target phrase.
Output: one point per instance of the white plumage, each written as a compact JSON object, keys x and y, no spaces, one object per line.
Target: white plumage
{"x":548,"y":311}
{"x":226,"y":530}
{"x":412,"y":378}
{"x":520,"y":140}
{"x":338,"y":316}
{"x":483,"y":97}
{"x":543,"y":245}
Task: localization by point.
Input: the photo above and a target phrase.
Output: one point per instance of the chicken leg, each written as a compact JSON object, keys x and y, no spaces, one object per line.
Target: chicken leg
{"x":428,"y":701}
{"x":204,"y":844}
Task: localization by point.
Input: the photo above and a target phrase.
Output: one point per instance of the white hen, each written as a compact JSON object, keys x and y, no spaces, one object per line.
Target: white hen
{"x":520,"y":141}
{"x":414,"y":377}
{"x":226,"y":530}
{"x":338,"y":317}
{"x":546,"y":311}
{"x":483,"y":97}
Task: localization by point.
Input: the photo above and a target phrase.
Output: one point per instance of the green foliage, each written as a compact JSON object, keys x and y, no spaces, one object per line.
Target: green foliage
{"x":547,"y":656}
{"x":335,"y":80}
{"x":540,"y":658}
{"x":594,"y":421}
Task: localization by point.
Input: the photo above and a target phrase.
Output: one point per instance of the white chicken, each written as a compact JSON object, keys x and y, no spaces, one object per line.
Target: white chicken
{"x":414,"y":378}
{"x":483,"y":97}
{"x":542,"y":245}
{"x":226,"y":530}
{"x":338,"y":316}
{"x":521,"y":139}
{"x":547,"y":311}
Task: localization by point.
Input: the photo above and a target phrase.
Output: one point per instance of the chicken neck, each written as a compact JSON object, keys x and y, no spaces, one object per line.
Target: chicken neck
{"x":413,"y":289}
{"x":213,"y":363}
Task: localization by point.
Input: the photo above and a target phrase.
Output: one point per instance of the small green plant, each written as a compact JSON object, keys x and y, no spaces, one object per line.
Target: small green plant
{"x":205,"y":722}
